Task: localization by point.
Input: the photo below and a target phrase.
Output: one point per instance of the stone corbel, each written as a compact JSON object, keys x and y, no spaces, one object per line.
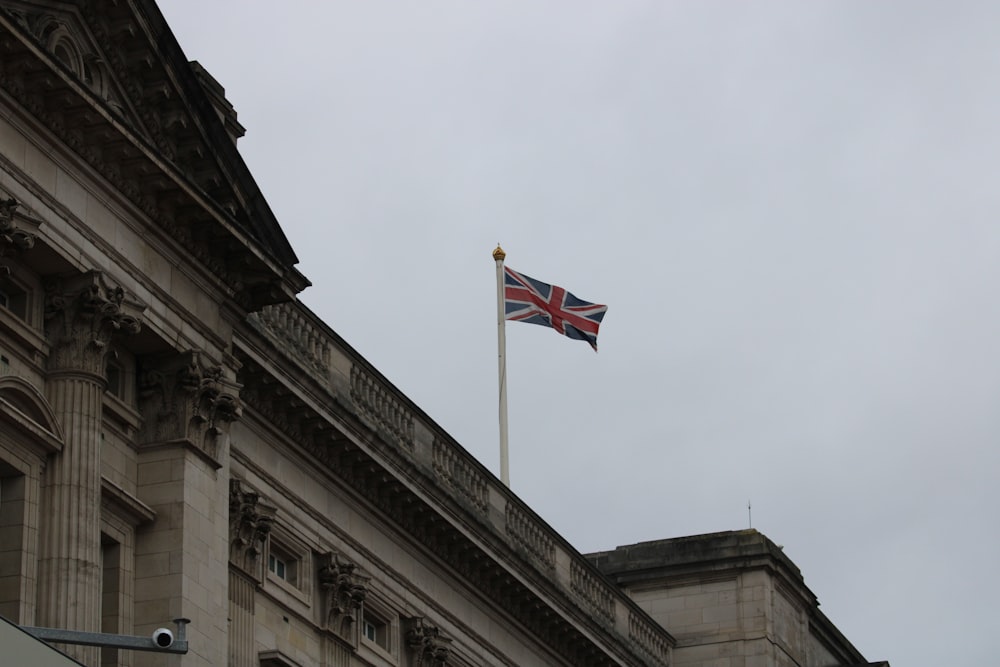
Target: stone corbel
{"x":187,"y":398}
{"x":344,"y":590}
{"x":430,"y":648}
{"x":250,"y":521}
{"x":82,"y":316}
{"x":17,"y":232}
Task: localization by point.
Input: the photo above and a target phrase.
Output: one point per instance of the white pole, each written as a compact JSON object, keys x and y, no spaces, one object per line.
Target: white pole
{"x":498,"y":256}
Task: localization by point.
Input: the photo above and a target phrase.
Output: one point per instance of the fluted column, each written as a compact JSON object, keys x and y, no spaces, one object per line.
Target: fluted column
{"x":82,"y":317}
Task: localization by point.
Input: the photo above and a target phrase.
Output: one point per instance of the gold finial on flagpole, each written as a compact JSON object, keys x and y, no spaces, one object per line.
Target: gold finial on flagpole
{"x":499,"y":254}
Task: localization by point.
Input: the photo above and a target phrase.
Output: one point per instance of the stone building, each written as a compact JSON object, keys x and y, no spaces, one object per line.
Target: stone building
{"x":181,"y":437}
{"x":726,"y":596}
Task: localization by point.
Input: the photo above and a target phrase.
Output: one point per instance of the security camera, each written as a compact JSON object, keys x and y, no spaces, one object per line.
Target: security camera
{"x":163,"y":638}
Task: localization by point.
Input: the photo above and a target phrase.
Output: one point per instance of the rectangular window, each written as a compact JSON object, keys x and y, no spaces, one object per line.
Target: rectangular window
{"x":14,"y":298}
{"x":116,"y":385}
{"x":282,"y":564}
{"x":278,"y":566}
{"x":375,"y":630}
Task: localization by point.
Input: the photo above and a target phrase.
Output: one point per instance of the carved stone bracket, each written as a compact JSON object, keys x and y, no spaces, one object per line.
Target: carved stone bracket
{"x":187,"y":398}
{"x":430,"y":649}
{"x":344,"y":590}
{"x":250,"y":521}
{"x":17,"y":232}
{"x":82,"y":315}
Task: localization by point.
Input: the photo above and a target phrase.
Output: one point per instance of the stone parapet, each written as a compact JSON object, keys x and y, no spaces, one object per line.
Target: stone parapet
{"x":305,"y":380}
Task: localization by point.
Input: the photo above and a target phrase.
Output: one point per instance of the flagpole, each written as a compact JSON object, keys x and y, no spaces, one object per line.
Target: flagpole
{"x":498,"y":257}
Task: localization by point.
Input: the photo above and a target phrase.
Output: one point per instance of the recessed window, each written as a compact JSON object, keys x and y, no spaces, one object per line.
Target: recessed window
{"x":116,"y":387}
{"x":375,"y":630}
{"x":279,"y":566}
{"x":13,"y":298}
{"x":282,"y":564}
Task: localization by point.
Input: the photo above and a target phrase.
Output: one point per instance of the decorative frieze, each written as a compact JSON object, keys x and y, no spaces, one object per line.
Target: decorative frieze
{"x":429,"y":647}
{"x":594,"y":592}
{"x":529,"y":535}
{"x":378,"y":404}
{"x":82,"y":315}
{"x":187,"y":398}
{"x":250,"y":521}
{"x":344,"y":590}
{"x":454,"y":468}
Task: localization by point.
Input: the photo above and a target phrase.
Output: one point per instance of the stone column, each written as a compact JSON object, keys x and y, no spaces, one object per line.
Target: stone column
{"x":83,"y":314}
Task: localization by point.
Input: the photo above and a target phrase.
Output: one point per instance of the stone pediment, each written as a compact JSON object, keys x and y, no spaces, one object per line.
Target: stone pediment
{"x":109,"y":79}
{"x":60,"y":29}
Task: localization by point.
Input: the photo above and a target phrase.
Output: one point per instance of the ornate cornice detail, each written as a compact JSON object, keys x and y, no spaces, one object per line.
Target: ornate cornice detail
{"x":82,"y":315}
{"x":344,"y":590}
{"x":250,"y":522}
{"x":186,"y":397}
{"x":430,"y":648}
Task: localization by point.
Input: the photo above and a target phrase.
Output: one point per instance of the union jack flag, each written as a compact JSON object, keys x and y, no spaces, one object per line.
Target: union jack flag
{"x":530,"y":300}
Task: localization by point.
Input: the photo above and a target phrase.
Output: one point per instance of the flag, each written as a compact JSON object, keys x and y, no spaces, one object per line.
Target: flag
{"x":530,"y":300}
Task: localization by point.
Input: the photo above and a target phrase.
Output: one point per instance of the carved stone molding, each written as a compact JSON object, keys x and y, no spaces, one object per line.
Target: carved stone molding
{"x":187,"y":398}
{"x":82,"y":315}
{"x":430,"y":649}
{"x":250,"y":521}
{"x":344,"y":590}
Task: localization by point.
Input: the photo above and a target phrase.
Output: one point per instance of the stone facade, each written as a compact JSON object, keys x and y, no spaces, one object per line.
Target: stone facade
{"x":731,"y":600}
{"x":181,"y":437}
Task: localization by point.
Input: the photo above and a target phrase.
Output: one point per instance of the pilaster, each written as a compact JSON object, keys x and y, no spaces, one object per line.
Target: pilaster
{"x":428,"y":647}
{"x":344,"y":590}
{"x":187,"y":403}
{"x":83,"y":315}
{"x":250,"y":521}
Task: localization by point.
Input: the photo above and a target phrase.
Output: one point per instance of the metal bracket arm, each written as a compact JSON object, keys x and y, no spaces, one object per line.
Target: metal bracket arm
{"x":132,"y":642}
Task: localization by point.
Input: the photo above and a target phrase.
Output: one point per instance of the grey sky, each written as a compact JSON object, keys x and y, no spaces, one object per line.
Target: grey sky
{"x":789,"y":207}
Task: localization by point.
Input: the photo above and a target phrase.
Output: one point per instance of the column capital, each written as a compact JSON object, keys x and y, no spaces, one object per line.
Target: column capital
{"x":430,"y":647}
{"x":83,"y":314}
{"x":250,"y":521}
{"x":344,"y":588}
{"x":187,"y":397}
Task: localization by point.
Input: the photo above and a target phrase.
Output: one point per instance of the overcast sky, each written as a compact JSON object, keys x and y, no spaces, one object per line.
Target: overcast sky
{"x":790,"y":209}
